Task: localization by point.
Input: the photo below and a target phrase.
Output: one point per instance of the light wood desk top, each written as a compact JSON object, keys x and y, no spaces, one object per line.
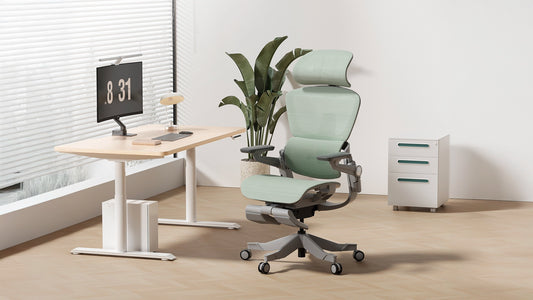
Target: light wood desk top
{"x":121,"y":148}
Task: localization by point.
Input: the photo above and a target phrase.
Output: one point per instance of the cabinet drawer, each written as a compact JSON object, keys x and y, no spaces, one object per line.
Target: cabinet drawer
{"x":406,"y":164}
{"x":419,"y":148}
{"x":415,"y":190}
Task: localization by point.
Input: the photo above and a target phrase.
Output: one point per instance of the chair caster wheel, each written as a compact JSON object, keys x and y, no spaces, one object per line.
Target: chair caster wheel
{"x":358,"y":255}
{"x":263,"y":268}
{"x":245,"y":254}
{"x":336,"y":268}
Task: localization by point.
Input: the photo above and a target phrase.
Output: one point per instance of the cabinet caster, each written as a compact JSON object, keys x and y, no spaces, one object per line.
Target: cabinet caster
{"x":395,"y":208}
{"x":263,"y":268}
{"x":245,"y":254}
{"x":358,"y":255}
{"x":336,"y":268}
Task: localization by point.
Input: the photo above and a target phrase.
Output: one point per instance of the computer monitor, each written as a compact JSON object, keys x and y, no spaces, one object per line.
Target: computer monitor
{"x":119,"y":93}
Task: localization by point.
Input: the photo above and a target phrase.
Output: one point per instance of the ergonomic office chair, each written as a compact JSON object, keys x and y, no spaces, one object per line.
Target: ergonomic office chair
{"x":321,"y":119}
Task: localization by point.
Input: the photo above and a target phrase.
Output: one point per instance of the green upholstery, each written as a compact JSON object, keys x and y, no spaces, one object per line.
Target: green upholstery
{"x":277,"y":189}
{"x":323,"y":67}
{"x":301,"y":154}
{"x":321,"y":120}
{"x":324,"y":112}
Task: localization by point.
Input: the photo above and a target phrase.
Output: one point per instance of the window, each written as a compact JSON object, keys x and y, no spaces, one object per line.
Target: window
{"x":49,"y":52}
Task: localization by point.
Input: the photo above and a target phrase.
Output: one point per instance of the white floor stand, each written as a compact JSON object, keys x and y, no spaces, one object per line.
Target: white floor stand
{"x":190,"y":199}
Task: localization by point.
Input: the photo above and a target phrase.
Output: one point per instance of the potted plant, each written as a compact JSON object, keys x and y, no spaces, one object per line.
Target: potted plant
{"x":261,"y":87}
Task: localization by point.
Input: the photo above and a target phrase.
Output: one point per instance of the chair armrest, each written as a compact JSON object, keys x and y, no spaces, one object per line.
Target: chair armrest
{"x":334,"y":160}
{"x":258,"y":155}
{"x":354,"y":176}
{"x":259,"y":148}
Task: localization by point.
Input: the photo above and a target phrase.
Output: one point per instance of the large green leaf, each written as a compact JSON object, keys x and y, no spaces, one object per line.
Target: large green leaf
{"x":283,"y":64}
{"x":250,"y":118}
{"x":263,"y":108}
{"x":262,"y":63}
{"x":251,"y":110}
{"x":270,"y":74}
{"x":242,"y":86}
{"x":275,"y":119}
{"x":246,"y":71}
{"x":232,"y":100}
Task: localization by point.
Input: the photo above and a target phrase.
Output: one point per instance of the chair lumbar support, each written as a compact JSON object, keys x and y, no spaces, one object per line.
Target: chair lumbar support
{"x":321,"y":119}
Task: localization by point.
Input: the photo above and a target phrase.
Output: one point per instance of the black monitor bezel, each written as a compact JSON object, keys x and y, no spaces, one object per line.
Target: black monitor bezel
{"x":100,"y":119}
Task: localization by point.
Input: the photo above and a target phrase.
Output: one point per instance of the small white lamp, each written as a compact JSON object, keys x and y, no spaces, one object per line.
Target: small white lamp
{"x":171,"y":99}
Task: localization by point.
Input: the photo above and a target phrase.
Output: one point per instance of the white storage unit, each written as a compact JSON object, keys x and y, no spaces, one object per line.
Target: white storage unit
{"x":142,"y":225}
{"x":419,"y":172}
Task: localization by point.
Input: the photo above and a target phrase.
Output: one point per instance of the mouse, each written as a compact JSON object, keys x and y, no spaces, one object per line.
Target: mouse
{"x":185,"y":132}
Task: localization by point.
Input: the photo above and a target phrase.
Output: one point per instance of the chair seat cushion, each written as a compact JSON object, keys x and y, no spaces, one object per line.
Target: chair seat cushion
{"x":278,"y":189}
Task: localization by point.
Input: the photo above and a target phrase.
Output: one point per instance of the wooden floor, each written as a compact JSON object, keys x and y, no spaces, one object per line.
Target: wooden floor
{"x":469,"y":249}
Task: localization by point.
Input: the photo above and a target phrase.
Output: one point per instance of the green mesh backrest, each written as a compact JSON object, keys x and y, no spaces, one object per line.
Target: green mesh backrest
{"x":322,"y":112}
{"x":321,"y":118}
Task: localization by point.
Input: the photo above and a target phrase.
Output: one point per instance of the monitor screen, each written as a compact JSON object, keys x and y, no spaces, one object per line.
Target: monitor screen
{"x":119,"y":91}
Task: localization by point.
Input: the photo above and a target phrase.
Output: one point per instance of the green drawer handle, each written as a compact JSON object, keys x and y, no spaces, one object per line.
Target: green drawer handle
{"x":420,"y":162}
{"x":412,"y":180}
{"x":413,"y":145}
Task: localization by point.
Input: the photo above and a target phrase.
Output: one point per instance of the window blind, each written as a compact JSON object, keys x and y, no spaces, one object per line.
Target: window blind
{"x":49,"y":52}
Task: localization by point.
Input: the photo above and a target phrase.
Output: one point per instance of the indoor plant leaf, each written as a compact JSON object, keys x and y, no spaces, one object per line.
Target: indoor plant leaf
{"x":246,"y":71}
{"x":275,"y":119}
{"x":262,"y":63}
{"x":232,"y":100}
{"x":242,"y":85}
{"x":263,"y":108}
{"x":251,"y":103}
{"x":283,"y":64}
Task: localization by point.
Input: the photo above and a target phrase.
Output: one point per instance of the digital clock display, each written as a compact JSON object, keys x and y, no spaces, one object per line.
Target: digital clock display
{"x":119,"y":91}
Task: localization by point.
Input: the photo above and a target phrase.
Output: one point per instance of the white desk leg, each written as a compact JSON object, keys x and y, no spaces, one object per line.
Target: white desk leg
{"x":121,"y":225}
{"x":190,"y":185}
{"x":120,"y":206}
{"x":190,"y":199}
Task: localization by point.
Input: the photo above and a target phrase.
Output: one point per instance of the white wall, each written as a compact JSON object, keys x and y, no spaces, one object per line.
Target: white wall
{"x":423,"y":68}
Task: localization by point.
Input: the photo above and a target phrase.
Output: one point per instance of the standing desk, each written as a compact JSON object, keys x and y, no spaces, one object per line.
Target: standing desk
{"x":120,"y":149}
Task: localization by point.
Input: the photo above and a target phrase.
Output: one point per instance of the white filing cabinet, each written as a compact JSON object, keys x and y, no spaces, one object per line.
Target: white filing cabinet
{"x":419,"y":172}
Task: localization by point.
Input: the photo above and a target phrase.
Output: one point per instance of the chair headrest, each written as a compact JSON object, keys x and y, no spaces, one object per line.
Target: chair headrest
{"x":323,"y":67}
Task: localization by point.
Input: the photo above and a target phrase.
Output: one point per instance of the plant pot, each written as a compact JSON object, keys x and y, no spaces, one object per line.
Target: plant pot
{"x":252,"y":167}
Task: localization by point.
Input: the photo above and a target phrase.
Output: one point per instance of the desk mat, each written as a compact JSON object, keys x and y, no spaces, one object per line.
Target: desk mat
{"x":170,"y":137}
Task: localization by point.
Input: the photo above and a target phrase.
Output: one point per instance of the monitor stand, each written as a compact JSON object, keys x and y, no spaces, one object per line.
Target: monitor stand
{"x":122,"y":131}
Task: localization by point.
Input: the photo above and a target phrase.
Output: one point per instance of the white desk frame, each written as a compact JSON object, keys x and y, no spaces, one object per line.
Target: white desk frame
{"x":121,"y":151}
{"x":121,"y":225}
{"x":190,"y":198}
